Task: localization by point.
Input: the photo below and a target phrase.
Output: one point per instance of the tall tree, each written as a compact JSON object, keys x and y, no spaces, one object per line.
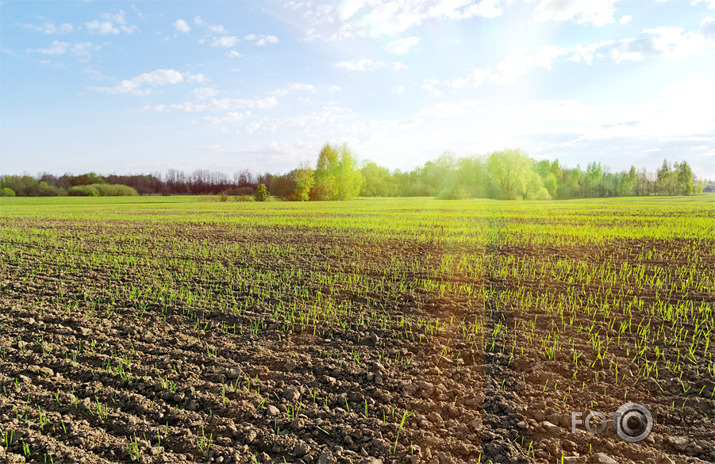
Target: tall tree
{"x":684,"y":179}
{"x":511,"y":176}
{"x":336,"y":175}
{"x":377,"y":181}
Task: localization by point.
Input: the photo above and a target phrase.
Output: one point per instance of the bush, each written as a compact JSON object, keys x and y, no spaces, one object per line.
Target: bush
{"x":261,"y":193}
{"x":453,"y":192}
{"x":7,"y":192}
{"x":238,"y":191}
{"x":83,"y":191}
{"x":45,"y":190}
{"x":103,"y":190}
{"x":115,"y":190}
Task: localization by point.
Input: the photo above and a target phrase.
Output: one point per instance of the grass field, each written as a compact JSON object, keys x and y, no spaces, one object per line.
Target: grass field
{"x":176,"y":329}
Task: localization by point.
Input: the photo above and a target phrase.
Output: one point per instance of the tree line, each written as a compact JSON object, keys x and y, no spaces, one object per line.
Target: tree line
{"x":512,"y":175}
{"x":506,"y":174}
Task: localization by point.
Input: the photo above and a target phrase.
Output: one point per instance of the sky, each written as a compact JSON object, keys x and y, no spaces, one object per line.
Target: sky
{"x":135,"y":87}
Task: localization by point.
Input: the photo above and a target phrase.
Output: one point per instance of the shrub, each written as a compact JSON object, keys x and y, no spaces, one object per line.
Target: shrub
{"x":7,"y":192}
{"x":115,"y":190}
{"x":223,"y":196}
{"x":83,"y":191}
{"x":261,"y":193}
{"x":103,"y":190}
{"x":453,"y":192}
{"x":238,"y":191}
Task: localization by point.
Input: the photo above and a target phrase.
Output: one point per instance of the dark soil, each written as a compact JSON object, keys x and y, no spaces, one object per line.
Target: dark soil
{"x":99,"y":363}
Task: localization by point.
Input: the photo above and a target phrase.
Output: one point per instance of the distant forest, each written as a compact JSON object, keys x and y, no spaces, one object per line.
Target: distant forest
{"x":507,"y":174}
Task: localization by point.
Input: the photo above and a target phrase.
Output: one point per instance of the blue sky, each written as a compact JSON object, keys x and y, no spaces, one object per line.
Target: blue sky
{"x":130,"y":87}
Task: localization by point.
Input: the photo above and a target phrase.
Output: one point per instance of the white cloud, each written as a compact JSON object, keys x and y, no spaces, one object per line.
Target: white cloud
{"x":232,"y":117}
{"x":217,"y":104}
{"x":449,"y":109}
{"x":398,"y":66}
{"x":670,"y":43}
{"x":593,"y":12}
{"x":52,"y":28}
{"x":365,"y":64}
{"x":432,"y":86}
{"x":506,"y":71}
{"x":308,"y":123}
{"x":159,"y":77}
{"x":117,"y":17}
{"x":233,"y":54}
{"x":112,"y":24}
{"x":398,"y":89}
{"x":358,"y":18}
{"x":203,"y":93}
{"x":102,"y":27}
{"x":710,"y":3}
{"x":294,"y":88}
{"x":625,"y":19}
{"x":261,"y":40}
{"x":267,"y":40}
{"x":707,"y":27}
{"x":55,"y":48}
{"x":217,"y":29}
{"x":60,"y":48}
{"x":225,"y":41}
{"x":181,"y":25}
{"x":523,"y":61}
{"x":402,"y":46}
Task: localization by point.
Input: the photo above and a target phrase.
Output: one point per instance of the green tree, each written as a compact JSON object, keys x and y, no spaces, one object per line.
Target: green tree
{"x":336,"y":175}
{"x":261,"y":193}
{"x":86,"y":179}
{"x":304,"y":181}
{"x":684,"y":179}
{"x":628,"y":182}
{"x":592,"y":180}
{"x":472,"y":176}
{"x":666,"y":180}
{"x":294,"y":186}
{"x":512,"y":177}
{"x":377,"y":181}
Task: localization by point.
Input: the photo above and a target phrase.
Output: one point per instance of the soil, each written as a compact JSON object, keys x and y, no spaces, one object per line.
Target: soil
{"x":96,"y":368}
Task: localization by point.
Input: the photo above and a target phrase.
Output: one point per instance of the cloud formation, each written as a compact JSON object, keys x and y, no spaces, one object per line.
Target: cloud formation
{"x":226,"y":41}
{"x":60,"y":48}
{"x":112,"y":24}
{"x":402,"y":46}
{"x":159,"y":77}
{"x":365,"y":64}
{"x":216,"y":104}
{"x":590,"y":12}
{"x":261,"y":40}
{"x":52,"y":28}
{"x":374,"y":18}
{"x":181,"y":26}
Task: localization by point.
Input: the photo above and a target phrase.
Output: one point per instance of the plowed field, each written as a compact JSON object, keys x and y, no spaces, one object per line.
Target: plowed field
{"x":169,"y":330}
